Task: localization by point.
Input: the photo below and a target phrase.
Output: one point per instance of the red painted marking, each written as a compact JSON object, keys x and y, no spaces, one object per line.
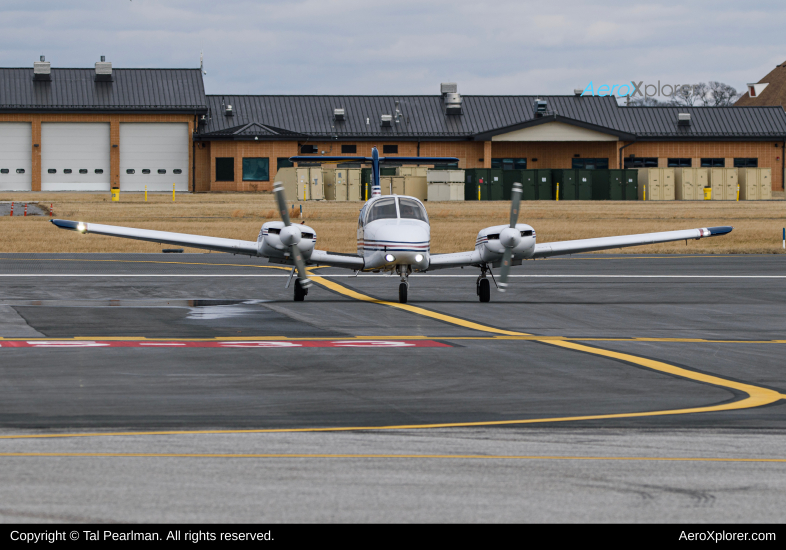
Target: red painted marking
{"x":233,"y":344}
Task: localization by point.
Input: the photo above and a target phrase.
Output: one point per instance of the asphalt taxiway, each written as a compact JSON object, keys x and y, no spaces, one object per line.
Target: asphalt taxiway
{"x":598,"y":388}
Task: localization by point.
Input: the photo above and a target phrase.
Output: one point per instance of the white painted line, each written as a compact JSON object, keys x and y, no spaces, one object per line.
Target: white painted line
{"x":253,"y":275}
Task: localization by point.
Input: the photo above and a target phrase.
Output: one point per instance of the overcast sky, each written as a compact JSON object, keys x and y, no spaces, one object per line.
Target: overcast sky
{"x":406,"y":46}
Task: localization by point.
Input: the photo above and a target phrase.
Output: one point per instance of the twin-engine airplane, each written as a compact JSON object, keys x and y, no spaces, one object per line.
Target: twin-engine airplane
{"x":393,"y":236}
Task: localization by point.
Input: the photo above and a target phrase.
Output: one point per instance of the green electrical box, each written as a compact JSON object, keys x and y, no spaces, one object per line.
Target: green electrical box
{"x":527,"y":180}
{"x":472,"y":179}
{"x":543,"y":184}
{"x":616,"y":185}
{"x":584,"y":185}
{"x":495,"y":184}
{"x":566,"y":179}
{"x":601,"y":182}
{"x":630,"y":179}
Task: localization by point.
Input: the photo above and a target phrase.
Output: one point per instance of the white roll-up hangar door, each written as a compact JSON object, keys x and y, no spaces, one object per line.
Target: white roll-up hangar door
{"x":75,"y":156}
{"x":154,"y":154}
{"x":16,"y":160}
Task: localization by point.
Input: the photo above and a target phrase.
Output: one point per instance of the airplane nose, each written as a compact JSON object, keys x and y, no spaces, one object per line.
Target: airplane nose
{"x":404,"y":245}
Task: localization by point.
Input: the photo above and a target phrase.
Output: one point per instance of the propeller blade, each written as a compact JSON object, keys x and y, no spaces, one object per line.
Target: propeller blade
{"x":302,"y":276}
{"x":281,"y":199}
{"x":515,"y":197}
{"x":502,"y":285}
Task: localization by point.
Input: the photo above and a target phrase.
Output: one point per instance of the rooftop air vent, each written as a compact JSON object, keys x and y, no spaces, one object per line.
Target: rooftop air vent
{"x":103,"y":70}
{"x":42,"y":70}
{"x":228,"y":111}
{"x":448,"y":88}
{"x":338,"y":114}
{"x":386,"y":121}
{"x":577,"y":91}
{"x":683,"y":119}
{"x":540,"y":107}
{"x":452,"y":103}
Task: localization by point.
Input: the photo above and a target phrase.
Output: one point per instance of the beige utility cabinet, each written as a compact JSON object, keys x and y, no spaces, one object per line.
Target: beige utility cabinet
{"x":724,"y":184}
{"x":416,"y":186}
{"x":392,"y":185}
{"x":445,"y":176}
{"x":310,"y":184}
{"x":445,"y":191}
{"x":755,"y":184}
{"x":329,"y":183}
{"x":689,"y":183}
{"x":341,"y":184}
{"x":353,"y":184}
{"x":288,"y":177}
{"x":420,"y":171}
{"x":657,"y":183}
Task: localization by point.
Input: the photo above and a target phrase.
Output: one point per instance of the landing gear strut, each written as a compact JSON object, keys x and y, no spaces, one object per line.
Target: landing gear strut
{"x":403,"y":286}
{"x":483,"y":288}
{"x":300,"y":292}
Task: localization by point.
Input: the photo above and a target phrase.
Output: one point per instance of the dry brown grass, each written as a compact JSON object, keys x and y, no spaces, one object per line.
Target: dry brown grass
{"x":757,"y":225}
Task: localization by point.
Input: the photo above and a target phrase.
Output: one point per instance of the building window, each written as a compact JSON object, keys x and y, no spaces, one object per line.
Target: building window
{"x":639,"y":162}
{"x":225,"y":169}
{"x":67,"y":171}
{"x":177,"y":171}
{"x":3,"y":170}
{"x":145,"y":170}
{"x":256,"y":169}
{"x":593,"y":164}
{"x":713,"y":163}
{"x":509,"y":164}
{"x":20,"y":170}
{"x":161,"y":171}
{"x":51,"y":171}
{"x":282,"y":162}
{"x":83,"y":170}
{"x":349,"y":149}
{"x":99,"y":170}
{"x":130,"y":171}
{"x":390,"y":149}
{"x":679,"y":163}
{"x":746,"y":163}
{"x":308,"y":149}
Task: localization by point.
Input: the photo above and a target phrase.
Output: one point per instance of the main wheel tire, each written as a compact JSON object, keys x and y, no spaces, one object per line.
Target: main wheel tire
{"x":402,"y":293}
{"x":300,"y":292}
{"x":484,"y":290}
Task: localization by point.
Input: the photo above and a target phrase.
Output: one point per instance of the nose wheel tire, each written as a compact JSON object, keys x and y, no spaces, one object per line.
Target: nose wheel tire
{"x":300,"y":292}
{"x":484,"y":290}
{"x":402,"y":293}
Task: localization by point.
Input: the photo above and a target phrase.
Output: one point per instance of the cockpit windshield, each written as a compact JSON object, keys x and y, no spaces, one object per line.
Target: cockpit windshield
{"x":412,"y":210}
{"x":382,"y":209}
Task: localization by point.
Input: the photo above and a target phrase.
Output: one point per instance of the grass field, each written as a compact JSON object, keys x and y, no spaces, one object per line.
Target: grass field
{"x":757,"y":225}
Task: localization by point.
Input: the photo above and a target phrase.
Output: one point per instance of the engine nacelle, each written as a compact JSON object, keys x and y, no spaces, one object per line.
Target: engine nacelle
{"x":491,"y":247}
{"x":269,"y":241}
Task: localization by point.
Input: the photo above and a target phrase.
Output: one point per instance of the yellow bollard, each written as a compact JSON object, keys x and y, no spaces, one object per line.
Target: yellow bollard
{"x":173,"y":192}
{"x":478,"y":192}
{"x":738,"y":192}
{"x":115,"y":195}
{"x":145,"y":193}
{"x":645,"y":193}
{"x":558,"y":191}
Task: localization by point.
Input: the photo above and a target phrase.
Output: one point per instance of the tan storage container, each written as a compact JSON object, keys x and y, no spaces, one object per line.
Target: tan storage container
{"x":303,"y":176}
{"x":419,"y":171}
{"x":353,"y":184}
{"x":341,"y":184}
{"x":392,"y":185}
{"x":438,"y":192}
{"x":437,"y":176}
{"x":416,"y":186}
{"x":456,"y":191}
{"x":310,"y":184}
{"x":385,"y":185}
{"x":288,"y":176}
{"x":717,"y":181}
{"x":649,"y":184}
{"x":755,"y":184}
{"x":666,"y":184}
{"x":689,"y":183}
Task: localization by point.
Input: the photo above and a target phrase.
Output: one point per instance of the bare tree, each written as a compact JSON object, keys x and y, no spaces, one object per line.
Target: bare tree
{"x":689,"y":95}
{"x":644,"y":102}
{"x":722,"y":95}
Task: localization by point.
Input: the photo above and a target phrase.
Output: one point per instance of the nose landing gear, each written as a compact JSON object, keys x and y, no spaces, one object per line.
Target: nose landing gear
{"x":482,"y":286}
{"x":403,"y":286}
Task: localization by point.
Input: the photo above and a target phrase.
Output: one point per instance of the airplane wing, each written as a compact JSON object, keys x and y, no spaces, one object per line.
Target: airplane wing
{"x":232,"y":246}
{"x":546,"y":250}
{"x":607,"y":243}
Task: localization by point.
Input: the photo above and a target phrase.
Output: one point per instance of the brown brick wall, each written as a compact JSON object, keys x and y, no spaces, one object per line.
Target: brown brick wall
{"x":114,"y":135}
{"x":556,"y":154}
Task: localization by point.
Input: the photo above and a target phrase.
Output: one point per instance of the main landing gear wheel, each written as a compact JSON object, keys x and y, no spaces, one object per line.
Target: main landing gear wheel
{"x":402,"y":293}
{"x":484,"y":290}
{"x":300,"y":292}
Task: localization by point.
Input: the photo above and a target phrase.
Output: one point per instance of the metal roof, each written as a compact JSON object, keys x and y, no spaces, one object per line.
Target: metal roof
{"x":74,"y":90}
{"x":423,"y":117}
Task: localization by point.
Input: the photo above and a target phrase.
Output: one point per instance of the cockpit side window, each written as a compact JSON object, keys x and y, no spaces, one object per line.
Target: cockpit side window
{"x":382,"y":209}
{"x":412,"y":210}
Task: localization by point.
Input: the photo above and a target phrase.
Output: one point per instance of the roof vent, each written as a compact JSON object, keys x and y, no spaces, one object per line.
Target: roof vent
{"x":228,"y":111}
{"x":683,"y":119}
{"x":386,"y":121}
{"x":338,"y":114}
{"x":540,"y":107}
{"x":755,"y":90}
{"x":452,"y":103}
{"x":448,"y":88}
{"x":577,"y":91}
{"x":103,"y":70}
{"x":42,"y":70}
